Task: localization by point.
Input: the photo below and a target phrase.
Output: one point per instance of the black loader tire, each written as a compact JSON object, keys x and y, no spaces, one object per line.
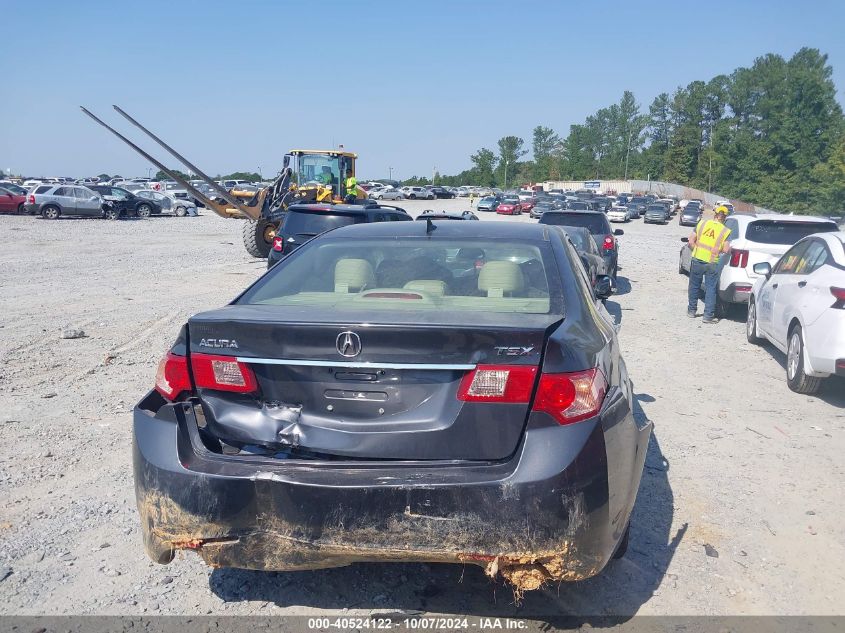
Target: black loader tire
{"x":255,"y":234}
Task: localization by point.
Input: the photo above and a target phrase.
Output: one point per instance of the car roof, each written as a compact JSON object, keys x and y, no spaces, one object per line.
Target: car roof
{"x":445,"y":229}
{"x":578,"y":211}
{"x":446,"y":215}
{"x":778,"y":217}
{"x":347,"y":209}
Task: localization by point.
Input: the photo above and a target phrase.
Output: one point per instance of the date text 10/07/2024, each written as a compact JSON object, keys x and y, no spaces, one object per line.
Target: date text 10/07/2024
{"x":416,"y":623}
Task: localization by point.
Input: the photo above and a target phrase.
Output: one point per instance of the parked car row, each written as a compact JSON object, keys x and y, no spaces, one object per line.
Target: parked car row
{"x":52,"y":201}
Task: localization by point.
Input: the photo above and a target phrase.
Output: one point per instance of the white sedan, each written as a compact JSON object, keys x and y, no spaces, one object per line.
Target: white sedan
{"x":386,"y":193}
{"x":618,"y":214}
{"x":799,"y":305}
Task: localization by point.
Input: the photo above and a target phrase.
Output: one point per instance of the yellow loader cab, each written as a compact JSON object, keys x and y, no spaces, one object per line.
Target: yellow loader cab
{"x":324,"y":173}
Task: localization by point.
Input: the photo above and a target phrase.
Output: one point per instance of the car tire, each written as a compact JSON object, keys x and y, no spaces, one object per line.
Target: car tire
{"x":143,"y":211}
{"x":51,"y":212}
{"x":413,"y":196}
{"x":379,"y":197}
{"x":258,"y":237}
{"x":112,"y":214}
{"x":181,"y":212}
{"x":751,"y":323}
{"x":796,"y":379}
{"x":622,"y":548}
{"x":681,"y":270}
{"x":20,"y":210}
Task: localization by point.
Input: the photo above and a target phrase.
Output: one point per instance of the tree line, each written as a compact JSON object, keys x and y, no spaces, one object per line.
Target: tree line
{"x":772,"y":134}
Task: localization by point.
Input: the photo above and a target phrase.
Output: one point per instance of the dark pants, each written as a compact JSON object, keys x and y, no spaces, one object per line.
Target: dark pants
{"x":710,"y":274}
{"x":350,"y":198}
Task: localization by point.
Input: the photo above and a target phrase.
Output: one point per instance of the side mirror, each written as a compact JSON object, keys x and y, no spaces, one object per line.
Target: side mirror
{"x":763,"y":268}
{"x":685,"y":240}
{"x":604,"y":286}
{"x":619,"y":232}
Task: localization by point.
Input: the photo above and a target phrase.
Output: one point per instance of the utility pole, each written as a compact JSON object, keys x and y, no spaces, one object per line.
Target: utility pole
{"x":710,"y":170}
{"x":391,"y":172}
{"x":506,"y":175}
{"x":433,"y":171}
{"x":260,"y":177}
{"x":627,"y":152}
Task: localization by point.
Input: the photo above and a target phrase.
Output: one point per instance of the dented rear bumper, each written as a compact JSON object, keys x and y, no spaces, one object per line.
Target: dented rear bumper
{"x":552,"y":512}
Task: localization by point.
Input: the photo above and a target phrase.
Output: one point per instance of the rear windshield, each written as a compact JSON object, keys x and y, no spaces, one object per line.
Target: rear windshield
{"x":446,"y":276}
{"x":583,"y":206}
{"x":314,"y":223}
{"x":776,"y":232}
{"x":579,"y":239}
{"x":595,"y":224}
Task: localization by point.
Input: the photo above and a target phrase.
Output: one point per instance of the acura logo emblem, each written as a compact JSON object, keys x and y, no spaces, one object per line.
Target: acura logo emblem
{"x":348,"y":344}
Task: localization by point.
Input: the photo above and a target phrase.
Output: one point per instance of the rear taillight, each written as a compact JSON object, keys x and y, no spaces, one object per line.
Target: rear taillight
{"x":839,"y":295}
{"x":278,"y":244}
{"x":31,"y":199}
{"x":609,"y":243}
{"x":172,"y":378}
{"x":223,"y":373}
{"x":571,"y":397}
{"x":498,"y":383}
{"x":739,"y":258}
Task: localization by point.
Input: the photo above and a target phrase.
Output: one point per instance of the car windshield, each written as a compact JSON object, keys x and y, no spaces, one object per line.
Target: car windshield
{"x":594,"y":223}
{"x":446,"y":277}
{"x":582,"y":206}
{"x":776,"y":232}
{"x":656,"y":207}
{"x":314,"y":223}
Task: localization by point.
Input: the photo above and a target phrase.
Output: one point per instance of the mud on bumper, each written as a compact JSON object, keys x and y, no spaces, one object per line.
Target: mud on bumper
{"x":542,"y":515}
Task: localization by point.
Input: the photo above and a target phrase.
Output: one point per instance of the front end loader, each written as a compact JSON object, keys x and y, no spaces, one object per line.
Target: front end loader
{"x":306,"y":176}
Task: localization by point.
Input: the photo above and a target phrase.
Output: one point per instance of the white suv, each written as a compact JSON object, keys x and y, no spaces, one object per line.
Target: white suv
{"x":756,"y":238}
{"x":417,"y":192}
{"x":799,"y":305}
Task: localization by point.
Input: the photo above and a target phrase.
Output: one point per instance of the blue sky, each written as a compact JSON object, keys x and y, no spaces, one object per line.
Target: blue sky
{"x":408,"y":85}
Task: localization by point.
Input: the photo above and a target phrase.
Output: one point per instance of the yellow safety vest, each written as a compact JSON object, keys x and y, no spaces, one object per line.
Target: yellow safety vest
{"x":352,"y":186}
{"x":709,"y":238}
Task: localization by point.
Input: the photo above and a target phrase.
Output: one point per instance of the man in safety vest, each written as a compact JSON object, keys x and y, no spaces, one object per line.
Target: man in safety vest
{"x":351,"y":188}
{"x":708,"y":243}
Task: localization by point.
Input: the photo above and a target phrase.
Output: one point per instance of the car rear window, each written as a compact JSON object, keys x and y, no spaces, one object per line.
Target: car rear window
{"x":445,"y":276}
{"x":43,"y":189}
{"x":314,"y":223}
{"x":784,"y":233}
{"x":594,"y":223}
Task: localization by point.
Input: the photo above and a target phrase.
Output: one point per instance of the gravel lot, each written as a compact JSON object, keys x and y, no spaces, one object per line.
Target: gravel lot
{"x":738,"y":512}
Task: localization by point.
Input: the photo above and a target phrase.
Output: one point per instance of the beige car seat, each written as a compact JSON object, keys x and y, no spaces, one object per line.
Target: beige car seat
{"x":501,"y":279}
{"x":353,"y":275}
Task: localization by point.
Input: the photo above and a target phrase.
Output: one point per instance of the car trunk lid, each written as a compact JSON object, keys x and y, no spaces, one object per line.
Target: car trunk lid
{"x":364,"y":390}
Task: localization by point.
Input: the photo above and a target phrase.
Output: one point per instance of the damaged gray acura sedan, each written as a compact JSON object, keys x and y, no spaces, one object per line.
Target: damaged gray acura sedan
{"x":404,"y":391}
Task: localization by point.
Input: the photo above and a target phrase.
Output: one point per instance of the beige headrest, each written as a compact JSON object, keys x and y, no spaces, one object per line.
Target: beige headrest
{"x":431,"y":286}
{"x":353,"y":275}
{"x":498,"y":278}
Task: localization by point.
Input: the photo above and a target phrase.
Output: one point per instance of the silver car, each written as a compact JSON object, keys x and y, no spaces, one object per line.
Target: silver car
{"x":179,"y":207}
{"x":386,"y":193}
{"x":53,"y":201}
